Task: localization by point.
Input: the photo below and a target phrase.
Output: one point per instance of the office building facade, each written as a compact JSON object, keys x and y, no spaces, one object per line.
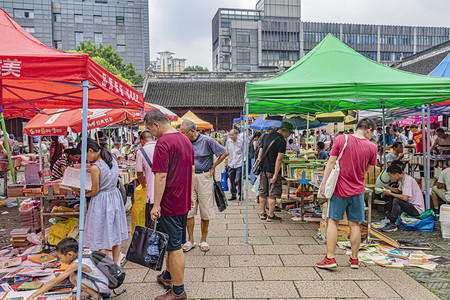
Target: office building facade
{"x":273,"y":36}
{"x":63,"y":24}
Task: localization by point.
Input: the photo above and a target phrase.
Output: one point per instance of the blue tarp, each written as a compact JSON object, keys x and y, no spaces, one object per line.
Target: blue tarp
{"x":261,"y":124}
{"x":442,"y":70}
{"x":238,"y":120}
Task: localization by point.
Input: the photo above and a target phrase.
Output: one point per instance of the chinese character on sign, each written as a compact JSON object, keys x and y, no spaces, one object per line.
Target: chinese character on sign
{"x":104,"y":82}
{"x":10,"y":67}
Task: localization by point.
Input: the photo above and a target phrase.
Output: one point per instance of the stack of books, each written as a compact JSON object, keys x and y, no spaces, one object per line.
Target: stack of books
{"x":15,"y":190}
{"x":19,"y":237}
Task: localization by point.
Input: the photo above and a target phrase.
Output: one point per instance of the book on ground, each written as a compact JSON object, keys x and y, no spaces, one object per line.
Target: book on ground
{"x":42,"y":258}
{"x":72,"y":179}
{"x":13,"y":262}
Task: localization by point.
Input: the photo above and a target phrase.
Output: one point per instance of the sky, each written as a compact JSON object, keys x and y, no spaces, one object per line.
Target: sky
{"x":184,"y":26}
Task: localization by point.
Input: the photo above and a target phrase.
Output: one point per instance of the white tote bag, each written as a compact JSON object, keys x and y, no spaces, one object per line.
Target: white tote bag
{"x":330,"y":185}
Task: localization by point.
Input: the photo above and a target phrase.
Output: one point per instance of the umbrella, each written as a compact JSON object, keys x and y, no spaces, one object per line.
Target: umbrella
{"x":415,"y":120}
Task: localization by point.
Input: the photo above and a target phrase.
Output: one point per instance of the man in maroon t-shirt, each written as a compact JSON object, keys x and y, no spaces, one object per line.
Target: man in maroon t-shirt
{"x":173,"y":165}
{"x":358,"y":157}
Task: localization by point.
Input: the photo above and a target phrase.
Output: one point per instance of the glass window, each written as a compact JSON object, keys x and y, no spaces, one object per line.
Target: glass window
{"x":57,"y":44}
{"x":226,"y":58}
{"x":121,"y":48}
{"x":120,"y":39}
{"x":101,"y":1}
{"x":78,"y":18}
{"x":29,"y":29}
{"x":98,"y":19}
{"x":243,"y":57}
{"x":56,"y":17}
{"x":23,"y":13}
{"x":120,"y":20}
{"x":243,"y":39}
{"x":98,"y":38}
{"x":78,"y":37}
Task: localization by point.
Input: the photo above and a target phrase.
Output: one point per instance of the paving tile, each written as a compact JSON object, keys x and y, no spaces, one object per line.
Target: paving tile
{"x":276,"y":249}
{"x":208,"y":290}
{"x":228,"y":233}
{"x":267,"y":232}
{"x":255,"y":221}
{"x":338,"y":289}
{"x":312,"y":226}
{"x":229,"y":250}
{"x":255,"y":261}
{"x":135,"y":291}
{"x":378,"y":288}
{"x":131,"y":265}
{"x":346,"y":273}
{"x":232,"y":274}
{"x":265,"y":289}
{"x":242,"y":216}
{"x":217,"y":241}
{"x":190,"y":274}
{"x":319,"y":249}
{"x":283,"y":225}
{"x":309,"y":260}
{"x":252,"y":240}
{"x":207,"y":261}
{"x":135,"y":275}
{"x":293,"y":240}
{"x":242,"y":226}
{"x":289,"y":273}
{"x":302,"y":232}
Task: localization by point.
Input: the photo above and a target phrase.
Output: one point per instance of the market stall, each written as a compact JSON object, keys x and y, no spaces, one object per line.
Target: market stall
{"x":201,"y":125}
{"x":35,"y":77}
{"x":333,"y":77}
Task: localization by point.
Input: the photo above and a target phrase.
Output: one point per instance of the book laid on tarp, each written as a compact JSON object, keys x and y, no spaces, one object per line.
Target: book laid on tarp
{"x":42,"y":258}
{"x":72,"y":179}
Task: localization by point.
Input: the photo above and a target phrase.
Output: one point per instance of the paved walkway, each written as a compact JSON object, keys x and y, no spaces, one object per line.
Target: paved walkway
{"x":279,"y":262}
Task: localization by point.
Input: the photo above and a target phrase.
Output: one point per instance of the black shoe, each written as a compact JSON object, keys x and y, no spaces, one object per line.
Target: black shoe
{"x":277,"y":209}
{"x":274,"y":218}
{"x":263,"y":216}
{"x":233,"y":197}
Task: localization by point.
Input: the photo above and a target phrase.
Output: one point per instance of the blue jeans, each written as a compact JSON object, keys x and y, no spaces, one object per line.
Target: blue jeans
{"x":252,"y":176}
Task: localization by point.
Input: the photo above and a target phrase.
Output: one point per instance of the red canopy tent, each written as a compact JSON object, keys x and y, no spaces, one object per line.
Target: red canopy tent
{"x":34,"y":77}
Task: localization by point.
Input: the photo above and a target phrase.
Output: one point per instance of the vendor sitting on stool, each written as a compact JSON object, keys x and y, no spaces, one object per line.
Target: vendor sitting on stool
{"x":407,"y":197}
{"x":443,"y":141}
{"x":440,"y":193}
{"x":70,"y":157}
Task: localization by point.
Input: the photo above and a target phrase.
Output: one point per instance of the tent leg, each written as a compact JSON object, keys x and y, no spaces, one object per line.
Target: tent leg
{"x":246,"y":180}
{"x":8,"y":151}
{"x":40,"y":153}
{"x":109,"y":137}
{"x":428,"y":136}
{"x":424,"y":150}
{"x":384,"y":140}
{"x":83,"y":184}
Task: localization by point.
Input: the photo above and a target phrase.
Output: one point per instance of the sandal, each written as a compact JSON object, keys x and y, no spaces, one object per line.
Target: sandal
{"x":189,"y":246}
{"x":204,"y":245}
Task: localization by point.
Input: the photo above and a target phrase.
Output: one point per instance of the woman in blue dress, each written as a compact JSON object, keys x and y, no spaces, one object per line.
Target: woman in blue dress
{"x":106,"y":221}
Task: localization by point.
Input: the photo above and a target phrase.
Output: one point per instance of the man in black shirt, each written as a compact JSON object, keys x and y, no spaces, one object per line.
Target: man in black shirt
{"x":270,"y":180}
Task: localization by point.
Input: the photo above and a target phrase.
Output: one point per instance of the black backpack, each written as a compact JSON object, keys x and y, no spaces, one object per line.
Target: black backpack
{"x":108,"y":267}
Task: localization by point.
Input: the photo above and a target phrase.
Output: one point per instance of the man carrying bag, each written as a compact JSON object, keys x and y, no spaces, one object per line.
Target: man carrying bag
{"x":357,"y":155}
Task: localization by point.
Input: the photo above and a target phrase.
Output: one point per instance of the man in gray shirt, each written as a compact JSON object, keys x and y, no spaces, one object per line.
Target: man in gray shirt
{"x":205,"y":147}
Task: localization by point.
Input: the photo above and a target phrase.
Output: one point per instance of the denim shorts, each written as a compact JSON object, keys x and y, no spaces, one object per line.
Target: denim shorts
{"x":353,"y":206}
{"x":175,"y":227}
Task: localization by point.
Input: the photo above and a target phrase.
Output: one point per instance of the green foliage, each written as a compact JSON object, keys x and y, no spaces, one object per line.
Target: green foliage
{"x":108,"y":58}
{"x":196,"y":69}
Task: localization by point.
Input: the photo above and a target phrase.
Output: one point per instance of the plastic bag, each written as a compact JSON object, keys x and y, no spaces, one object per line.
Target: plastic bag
{"x":60,"y":230}
{"x":224,"y":181}
{"x":138,"y":209}
{"x":426,"y":224}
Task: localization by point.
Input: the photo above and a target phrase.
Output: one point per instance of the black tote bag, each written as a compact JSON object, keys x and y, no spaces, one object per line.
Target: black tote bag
{"x":139,"y":244}
{"x":219,"y":195}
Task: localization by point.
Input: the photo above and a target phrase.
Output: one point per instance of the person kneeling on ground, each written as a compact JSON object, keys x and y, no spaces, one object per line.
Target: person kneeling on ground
{"x":440,"y":193}
{"x":96,"y":286}
{"x":407,"y":197}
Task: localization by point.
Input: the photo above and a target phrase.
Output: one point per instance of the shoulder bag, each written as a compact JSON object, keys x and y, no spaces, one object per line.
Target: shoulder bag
{"x":331,"y":182}
{"x":146,"y":158}
{"x":257,"y":166}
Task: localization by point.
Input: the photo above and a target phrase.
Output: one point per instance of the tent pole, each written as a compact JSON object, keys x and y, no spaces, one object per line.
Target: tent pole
{"x":424,"y":141}
{"x":384,"y":140}
{"x":40,"y":153}
{"x":82,"y":184}
{"x":109,"y":137}
{"x":427,"y":193}
{"x":246,"y":180}
{"x":8,"y":151}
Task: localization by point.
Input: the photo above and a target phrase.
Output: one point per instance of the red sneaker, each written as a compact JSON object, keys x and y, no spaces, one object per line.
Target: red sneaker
{"x":327,"y":263}
{"x":354,"y":263}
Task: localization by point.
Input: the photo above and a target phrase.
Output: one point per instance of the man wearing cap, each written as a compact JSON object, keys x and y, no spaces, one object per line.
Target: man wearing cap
{"x":126,"y":150}
{"x":271,"y":157}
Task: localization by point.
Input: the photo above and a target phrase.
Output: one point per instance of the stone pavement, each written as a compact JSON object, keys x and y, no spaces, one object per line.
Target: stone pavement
{"x":278,"y":262}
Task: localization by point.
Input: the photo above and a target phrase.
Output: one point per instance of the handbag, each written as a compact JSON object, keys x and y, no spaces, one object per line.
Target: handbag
{"x":257,"y":166}
{"x":331,"y":182}
{"x":224,"y":181}
{"x":219,"y":195}
{"x":140,"y":243}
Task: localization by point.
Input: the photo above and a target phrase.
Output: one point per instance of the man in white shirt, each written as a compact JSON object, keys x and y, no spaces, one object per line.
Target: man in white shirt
{"x":408,"y":197}
{"x":440,"y":193}
{"x":399,"y":136}
{"x":234,"y":162}
{"x":115,"y":151}
{"x":144,"y":174}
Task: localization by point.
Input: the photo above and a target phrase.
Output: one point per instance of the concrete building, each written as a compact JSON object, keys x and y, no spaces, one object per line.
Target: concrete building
{"x":62,"y":24}
{"x":167,"y":63}
{"x":273,"y":36}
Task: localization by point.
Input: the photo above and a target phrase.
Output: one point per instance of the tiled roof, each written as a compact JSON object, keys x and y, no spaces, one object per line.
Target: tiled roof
{"x":426,"y":61}
{"x":196,"y":93}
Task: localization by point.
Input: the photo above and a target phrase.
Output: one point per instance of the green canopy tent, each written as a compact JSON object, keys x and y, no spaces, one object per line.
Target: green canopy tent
{"x":333,"y":77}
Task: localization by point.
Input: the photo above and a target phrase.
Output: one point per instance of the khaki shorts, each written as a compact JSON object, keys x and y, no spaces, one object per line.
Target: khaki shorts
{"x":267,"y":189}
{"x":203,"y":196}
{"x":439,"y":192}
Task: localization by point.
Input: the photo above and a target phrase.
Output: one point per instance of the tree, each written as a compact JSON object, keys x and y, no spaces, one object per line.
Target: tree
{"x":196,"y":69}
{"x":109,"y":59}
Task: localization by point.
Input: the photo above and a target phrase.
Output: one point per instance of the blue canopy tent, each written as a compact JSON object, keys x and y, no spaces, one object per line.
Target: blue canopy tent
{"x":261,"y":124}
